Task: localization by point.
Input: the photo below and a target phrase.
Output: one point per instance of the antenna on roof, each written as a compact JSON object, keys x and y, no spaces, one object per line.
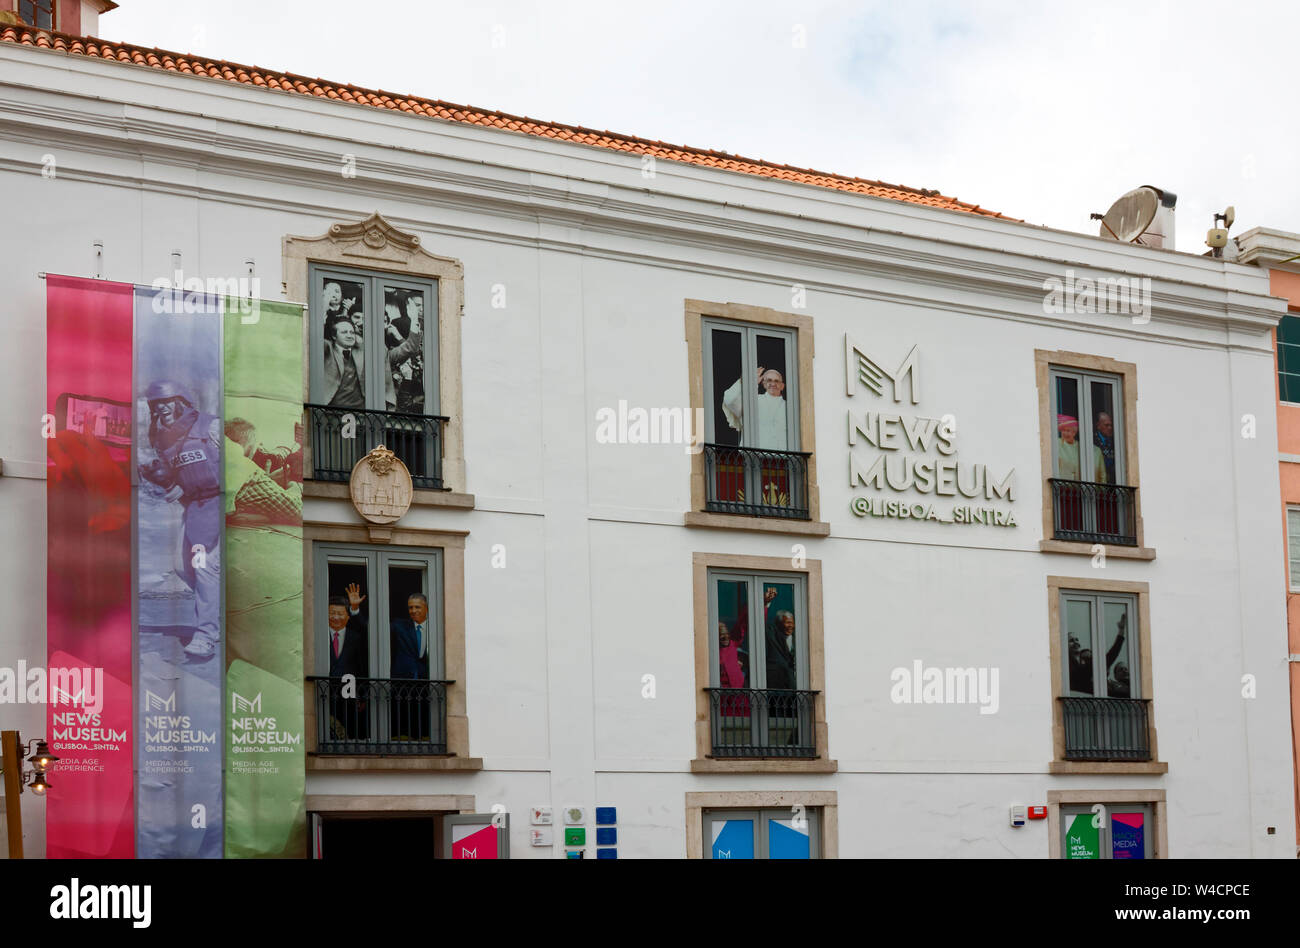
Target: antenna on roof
{"x":1217,"y":237}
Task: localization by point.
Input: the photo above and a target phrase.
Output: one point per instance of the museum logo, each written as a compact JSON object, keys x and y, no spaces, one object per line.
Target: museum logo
{"x":82,"y":726}
{"x":171,"y":732}
{"x":153,"y":703}
{"x":899,"y":452}
{"x":253,"y":732}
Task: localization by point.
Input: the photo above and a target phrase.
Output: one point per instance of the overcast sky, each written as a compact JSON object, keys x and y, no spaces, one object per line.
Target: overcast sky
{"x":1043,"y":112}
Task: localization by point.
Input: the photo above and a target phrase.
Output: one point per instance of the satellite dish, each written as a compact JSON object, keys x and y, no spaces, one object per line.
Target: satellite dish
{"x":1130,"y":216}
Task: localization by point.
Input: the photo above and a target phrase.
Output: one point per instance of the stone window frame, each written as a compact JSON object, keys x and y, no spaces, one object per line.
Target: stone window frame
{"x":812,"y":573}
{"x":699,"y":801}
{"x":375,"y":245}
{"x":802,"y":325}
{"x":1044,"y":360}
{"x":1058,"y":764}
{"x":1155,"y":797}
{"x":452,"y":544}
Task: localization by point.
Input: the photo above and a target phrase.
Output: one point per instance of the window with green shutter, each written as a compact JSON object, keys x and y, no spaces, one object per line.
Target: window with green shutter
{"x":1288,"y":360}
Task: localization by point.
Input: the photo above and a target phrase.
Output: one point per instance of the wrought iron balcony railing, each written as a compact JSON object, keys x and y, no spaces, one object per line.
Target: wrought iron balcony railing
{"x":762,"y":722}
{"x":387,"y":716}
{"x":756,"y":482}
{"x":1107,"y":728}
{"x":1094,"y":513}
{"x":340,"y":437}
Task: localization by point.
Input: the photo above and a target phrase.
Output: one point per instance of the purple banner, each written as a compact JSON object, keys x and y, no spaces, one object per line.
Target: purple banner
{"x":180,"y":509}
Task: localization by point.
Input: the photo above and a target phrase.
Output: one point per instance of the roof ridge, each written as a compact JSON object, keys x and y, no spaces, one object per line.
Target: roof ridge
{"x":25,"y":35}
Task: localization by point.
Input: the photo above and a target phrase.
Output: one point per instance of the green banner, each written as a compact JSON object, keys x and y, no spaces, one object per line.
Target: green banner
{"x":1082,"y":839}
{"x":266,"y":750}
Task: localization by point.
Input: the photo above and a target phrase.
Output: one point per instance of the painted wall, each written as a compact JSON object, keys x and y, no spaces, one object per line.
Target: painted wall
{"x":596,"y":262}
{"x":69,"y":19}
{"x":1287,"y":285}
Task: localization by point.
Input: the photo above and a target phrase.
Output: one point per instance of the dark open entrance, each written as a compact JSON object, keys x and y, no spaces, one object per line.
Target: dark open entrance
{"x":356,"y":836}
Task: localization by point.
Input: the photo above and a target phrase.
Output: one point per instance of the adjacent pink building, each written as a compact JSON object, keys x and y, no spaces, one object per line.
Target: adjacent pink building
{"x":1279,"y":252}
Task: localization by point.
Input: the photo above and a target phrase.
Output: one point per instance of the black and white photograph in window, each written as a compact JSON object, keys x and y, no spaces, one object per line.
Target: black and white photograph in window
{"x":403,"y":334}
{"x":360,"y":393}
{"x":401,"y":375}
{"x":344,"y":339}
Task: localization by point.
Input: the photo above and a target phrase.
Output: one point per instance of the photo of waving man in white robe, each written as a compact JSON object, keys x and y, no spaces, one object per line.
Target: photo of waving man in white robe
{"x":771,"y":410}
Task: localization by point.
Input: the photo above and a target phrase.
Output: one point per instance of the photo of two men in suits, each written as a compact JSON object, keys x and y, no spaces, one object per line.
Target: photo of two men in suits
{"x":411,"y":640}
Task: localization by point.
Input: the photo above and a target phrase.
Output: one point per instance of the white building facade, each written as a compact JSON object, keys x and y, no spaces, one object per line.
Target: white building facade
{"x":905,"y":492}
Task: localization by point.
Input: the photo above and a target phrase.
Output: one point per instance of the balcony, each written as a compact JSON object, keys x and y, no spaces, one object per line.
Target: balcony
{"x":752,"y":722}
{"x":1094,"y":513}
{"x":399,"y":716}
{"x":340,"y":437}
{"x":1107,"y":728}
{"x":756,"y":482}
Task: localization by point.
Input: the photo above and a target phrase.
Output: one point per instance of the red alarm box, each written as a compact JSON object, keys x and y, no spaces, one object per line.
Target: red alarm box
{"x":1038,"y":812}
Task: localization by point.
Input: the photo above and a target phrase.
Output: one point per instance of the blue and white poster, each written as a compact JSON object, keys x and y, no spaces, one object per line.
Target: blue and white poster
{"x":787,"y":839}
{"x":733,"y":839}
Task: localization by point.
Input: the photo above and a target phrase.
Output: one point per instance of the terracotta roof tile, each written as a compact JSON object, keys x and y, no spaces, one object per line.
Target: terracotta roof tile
{"x":169,"y":61}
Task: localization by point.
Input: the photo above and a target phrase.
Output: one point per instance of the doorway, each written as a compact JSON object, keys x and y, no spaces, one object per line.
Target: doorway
{"x":356,"y":836}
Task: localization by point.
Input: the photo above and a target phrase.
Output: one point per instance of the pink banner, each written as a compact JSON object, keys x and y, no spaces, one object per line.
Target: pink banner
{"x":89,"y":808}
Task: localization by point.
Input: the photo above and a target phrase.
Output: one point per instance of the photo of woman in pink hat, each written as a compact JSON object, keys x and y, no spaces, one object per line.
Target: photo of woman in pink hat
{"x":1067,"y":447}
